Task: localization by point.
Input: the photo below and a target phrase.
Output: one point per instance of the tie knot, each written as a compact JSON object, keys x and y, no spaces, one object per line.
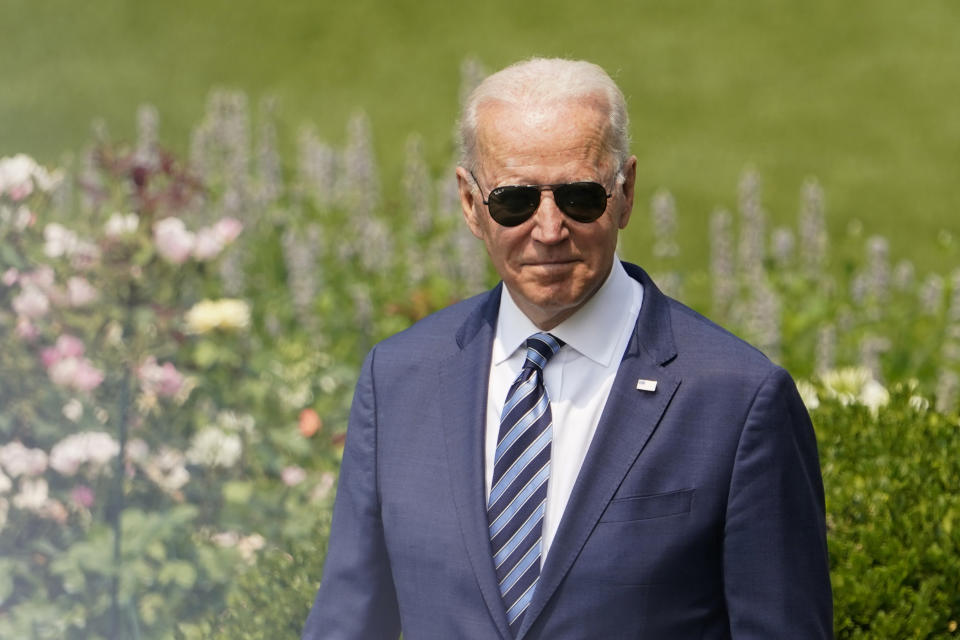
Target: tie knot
{"x":540,"y":348}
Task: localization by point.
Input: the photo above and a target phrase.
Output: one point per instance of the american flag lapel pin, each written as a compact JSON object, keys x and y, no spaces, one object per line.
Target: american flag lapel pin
{"x":646,"y":385}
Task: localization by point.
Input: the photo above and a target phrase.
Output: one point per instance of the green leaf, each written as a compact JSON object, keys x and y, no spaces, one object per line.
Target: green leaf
{"x":237,"y":491}
{"x":182,"y":573}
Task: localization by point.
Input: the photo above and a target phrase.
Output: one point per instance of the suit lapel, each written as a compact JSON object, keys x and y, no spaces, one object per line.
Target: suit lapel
{"x":463,"y":381}
{"x":627,"y":422}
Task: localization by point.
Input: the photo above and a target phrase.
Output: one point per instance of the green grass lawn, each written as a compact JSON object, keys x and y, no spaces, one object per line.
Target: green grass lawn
{"x":862,"y":94}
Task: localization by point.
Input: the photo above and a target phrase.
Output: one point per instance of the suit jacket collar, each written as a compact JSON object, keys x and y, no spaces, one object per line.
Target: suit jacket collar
{"x":629,"y":418}
{"x":463,"y":378}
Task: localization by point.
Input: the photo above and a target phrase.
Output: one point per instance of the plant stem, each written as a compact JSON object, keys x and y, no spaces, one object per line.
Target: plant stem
{"x":118,"y":498}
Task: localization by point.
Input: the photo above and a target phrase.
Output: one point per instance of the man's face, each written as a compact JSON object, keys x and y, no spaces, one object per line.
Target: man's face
{"x":551,"y":264}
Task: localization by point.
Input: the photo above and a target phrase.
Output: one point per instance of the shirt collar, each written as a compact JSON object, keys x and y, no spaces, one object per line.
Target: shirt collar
{"x":593,"y":331}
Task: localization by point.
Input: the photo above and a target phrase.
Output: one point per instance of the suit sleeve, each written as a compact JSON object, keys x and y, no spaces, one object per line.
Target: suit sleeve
{"x":356,"y":599}
{"x":776,"y":573}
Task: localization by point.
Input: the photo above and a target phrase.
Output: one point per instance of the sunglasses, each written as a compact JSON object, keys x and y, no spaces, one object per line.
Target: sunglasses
{"x":513,"y":205}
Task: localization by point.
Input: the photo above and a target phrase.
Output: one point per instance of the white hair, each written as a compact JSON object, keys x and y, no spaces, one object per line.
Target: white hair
{"x":540,"y":82}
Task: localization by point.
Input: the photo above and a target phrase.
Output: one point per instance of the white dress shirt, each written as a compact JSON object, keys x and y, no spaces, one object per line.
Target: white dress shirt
{"x":578,"y":379}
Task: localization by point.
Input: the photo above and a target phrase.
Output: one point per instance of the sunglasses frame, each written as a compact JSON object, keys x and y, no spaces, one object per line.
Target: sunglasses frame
{"x":541,"y":188}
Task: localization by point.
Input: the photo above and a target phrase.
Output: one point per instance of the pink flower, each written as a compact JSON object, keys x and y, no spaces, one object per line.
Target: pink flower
{"x":82,"y":496}
{"x":80,"y":292}
{"x":228,"y":229}
{"x":26,"y":330}
{"x":67,"y":367}
{"x":160,"y":380}
{"x":69,"y":346}
{"x":87,"y":377}
{"x":208,"y":244}
{"x":293,"y":475}
{"x":49,"y":356}
{"x":174,"y":242}
{"x":10,"y":277}
{"x":75,"y":373}
{"x":31,"y":303}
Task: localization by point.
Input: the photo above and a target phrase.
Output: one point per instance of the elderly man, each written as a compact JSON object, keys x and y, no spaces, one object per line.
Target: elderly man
{"x":571,"y":454}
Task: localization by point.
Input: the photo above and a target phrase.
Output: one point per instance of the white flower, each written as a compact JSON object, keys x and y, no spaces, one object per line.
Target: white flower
{"x":226,"y":539}
{"x":89,"y":447}
{"x":873,"y":396}
{"x":855,"y":385}
{"x":16,"y":176}
{"x":46,"y":180}
{"x":121,"y":224}
{"x":80,"y":292}
{"x":60,"y":241}
{"x":167,"y":469}
{"x":137,"y":449}
{"x":845,"y":384}
{"x":212,"y":447}
{"x":918,"y":403}
{"x":31,"y":303}
{"x":33,"y":494}
{"x":5,"y":483}
{"x":230,"y":421}
{"x":73,"y":410}
{"x":19,"y":460}
{"x":174,"y":242}
{"x":809,"y":394}
{"x":249,"y":545}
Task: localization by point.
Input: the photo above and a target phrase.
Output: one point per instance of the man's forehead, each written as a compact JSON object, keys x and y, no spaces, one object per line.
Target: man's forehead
{"x":591,"y":111}
{"x":577,"y":128}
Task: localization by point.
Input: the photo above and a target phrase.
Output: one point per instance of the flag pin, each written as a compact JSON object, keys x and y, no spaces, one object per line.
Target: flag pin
{"x":646,"y":385}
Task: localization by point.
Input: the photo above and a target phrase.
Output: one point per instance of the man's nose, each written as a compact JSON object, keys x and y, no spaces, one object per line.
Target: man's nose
{"x":550,"y":224}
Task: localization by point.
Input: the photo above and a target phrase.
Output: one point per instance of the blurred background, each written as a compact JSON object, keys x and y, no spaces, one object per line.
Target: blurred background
{"x":863,"y":94}
{"x":211,"y":210}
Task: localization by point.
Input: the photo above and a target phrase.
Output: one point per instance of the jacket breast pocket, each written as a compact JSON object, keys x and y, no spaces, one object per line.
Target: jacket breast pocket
{"x":646,"y":507}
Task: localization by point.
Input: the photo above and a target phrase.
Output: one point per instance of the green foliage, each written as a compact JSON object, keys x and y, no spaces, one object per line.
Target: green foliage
{"x":203,"y":509}
{"x":270,"y":600}
{"x":892,"y":509}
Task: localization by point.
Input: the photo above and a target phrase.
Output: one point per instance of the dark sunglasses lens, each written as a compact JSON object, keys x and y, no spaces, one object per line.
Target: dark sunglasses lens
{"x":582,"y":201}
{"x":511,"y":206}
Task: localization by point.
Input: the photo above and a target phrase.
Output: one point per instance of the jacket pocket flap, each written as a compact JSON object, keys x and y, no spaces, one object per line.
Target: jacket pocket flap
{"x":644,"y":507}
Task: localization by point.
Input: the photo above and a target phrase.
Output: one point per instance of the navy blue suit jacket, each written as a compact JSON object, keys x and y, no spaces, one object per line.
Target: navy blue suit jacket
{"x":698,"y":512}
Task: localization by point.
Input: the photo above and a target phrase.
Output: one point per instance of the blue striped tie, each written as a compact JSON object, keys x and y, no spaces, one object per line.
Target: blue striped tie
{"x":521,"y":468}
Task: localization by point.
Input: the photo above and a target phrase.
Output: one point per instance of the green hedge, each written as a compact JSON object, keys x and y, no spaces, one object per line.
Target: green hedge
{"x":893,"y":514}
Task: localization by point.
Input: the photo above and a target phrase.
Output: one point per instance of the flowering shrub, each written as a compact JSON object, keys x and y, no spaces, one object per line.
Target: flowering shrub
{"x":180,"y":344}
{"x":129,"y":445}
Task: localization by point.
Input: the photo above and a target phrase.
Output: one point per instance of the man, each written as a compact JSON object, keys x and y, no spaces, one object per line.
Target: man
{"x":630,"y":471}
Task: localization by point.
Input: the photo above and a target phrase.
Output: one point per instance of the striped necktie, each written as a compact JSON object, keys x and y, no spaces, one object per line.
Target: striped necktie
{"x":521,"y":468}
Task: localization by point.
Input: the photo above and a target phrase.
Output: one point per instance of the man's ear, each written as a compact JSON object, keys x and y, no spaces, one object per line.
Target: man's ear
{"x":469,"y":201}
{"x":627,"y":190}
